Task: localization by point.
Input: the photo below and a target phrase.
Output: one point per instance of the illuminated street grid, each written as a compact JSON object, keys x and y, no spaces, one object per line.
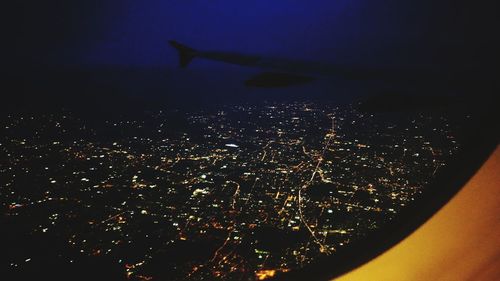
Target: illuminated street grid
{"x":237,"y":193}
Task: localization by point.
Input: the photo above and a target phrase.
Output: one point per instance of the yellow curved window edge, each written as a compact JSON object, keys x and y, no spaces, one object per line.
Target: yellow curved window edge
{"x":460,"y":242}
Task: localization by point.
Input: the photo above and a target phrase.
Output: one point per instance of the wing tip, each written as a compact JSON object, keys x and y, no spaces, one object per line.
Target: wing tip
{"x":186,"y":54}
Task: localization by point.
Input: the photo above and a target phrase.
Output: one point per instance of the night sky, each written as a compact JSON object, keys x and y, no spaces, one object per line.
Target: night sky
{"x":95,"y":35}
{"x":134,"y":33}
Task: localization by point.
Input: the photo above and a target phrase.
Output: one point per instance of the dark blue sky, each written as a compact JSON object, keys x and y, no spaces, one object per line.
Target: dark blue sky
{"x":134,"y":33}
{"x":89,"y":52}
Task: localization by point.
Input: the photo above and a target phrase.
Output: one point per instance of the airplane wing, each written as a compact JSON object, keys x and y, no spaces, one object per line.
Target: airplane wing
{"x":282,"y":72}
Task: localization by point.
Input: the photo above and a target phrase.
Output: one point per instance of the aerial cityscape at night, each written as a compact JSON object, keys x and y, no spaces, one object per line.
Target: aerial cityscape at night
{"x":238,"y":192}
{"x":249,"y":140}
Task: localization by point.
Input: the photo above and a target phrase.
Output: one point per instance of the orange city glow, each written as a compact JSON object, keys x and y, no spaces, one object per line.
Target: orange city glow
{"x":265,"y":273}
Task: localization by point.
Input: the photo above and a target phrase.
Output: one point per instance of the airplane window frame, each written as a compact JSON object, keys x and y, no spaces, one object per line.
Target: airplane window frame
{"x":480,"y":141}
